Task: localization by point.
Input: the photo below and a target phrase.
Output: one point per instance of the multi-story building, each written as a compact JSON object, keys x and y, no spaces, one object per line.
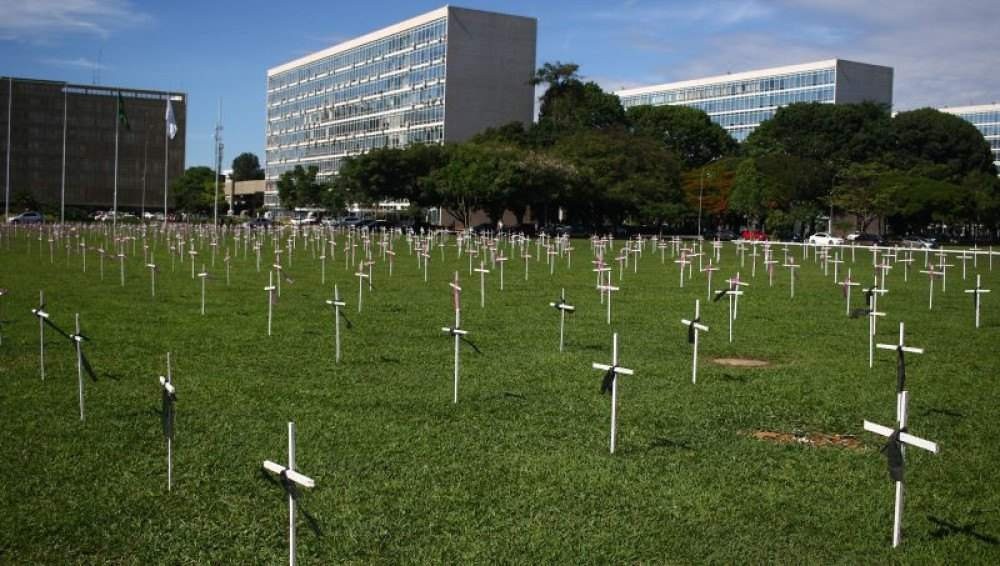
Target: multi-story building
{"x":739,"y":102}
{"x":439,"y":77}
{"x":986,"y":118}
{"x":53,"y":121}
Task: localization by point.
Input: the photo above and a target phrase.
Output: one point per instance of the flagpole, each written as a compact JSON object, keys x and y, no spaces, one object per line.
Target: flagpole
{"x":218,"y":166}
{"x":62,"y":201}
{"x":10,"y":119}
{"x":166,"y":163}
{"x":114,"y":218}
{"x":145,"y":156}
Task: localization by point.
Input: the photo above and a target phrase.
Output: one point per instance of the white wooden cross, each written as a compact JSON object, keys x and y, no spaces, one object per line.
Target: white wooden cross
{"x":608,"y":289}
{"x":169,"y":397}
{"x":872,"y":312}
{"x":976,"y":295}
{"x":43,"y":316}
{"x":931,"y":274}
{"x":732,"y":293}
{"x":944,"y":275}
{"x":456,"y":331}
{"x":735,"y":284}
{"x":709,"y":269}
{"x":896,"y":456}
{"x":336,"y":303}
{"x":152,"y":275}
{"x":526,"y":257}
{"x":288,"y":477}
{"x":694,"y":326}
{"x":192,"y":253}
{"x":482,"y":271}
{"x":791,"y":276}
{"x":882,"y":268}
{"x":203,"y":275}
{"x":361,"y":275}
{"x":81,"y":361}
{"x":682,"y":262}
{"x":563,"y":308}
{"x":3,"y":292}
{"x":121,"y":267}
{"x":836,"y":261}
{"x":847,"y":284}
{"x":270,"y":299}
{"x":610,"y":383}
{"x":501,"y":259}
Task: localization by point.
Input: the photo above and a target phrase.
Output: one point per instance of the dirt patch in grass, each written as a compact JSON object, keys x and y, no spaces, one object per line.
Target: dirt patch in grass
{"x":809,"y":439}
{"x":741,"y":362}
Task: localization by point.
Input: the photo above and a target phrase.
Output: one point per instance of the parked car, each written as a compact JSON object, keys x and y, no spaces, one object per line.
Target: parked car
{"x":753,"y":235}
{"x":825,"y":239}
{"x":30,"y":217}
{"x":259,"y":223}
{"x":865,"y":239}
{"x":722,"y":235}
{"x":921,"y":242}
{"x":306,"y":220}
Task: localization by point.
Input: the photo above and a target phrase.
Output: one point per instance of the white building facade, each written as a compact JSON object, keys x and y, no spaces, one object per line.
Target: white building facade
{"x":438,"y":77}
{"x":986,"y":118}
{"x":739,"y":102}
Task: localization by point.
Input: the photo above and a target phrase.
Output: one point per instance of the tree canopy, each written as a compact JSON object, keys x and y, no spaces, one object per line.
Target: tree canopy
{"x":246,"y":167}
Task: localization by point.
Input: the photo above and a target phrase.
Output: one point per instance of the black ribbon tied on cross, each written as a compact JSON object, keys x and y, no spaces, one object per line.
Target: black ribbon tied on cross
{"x":719,"y":295}
{"x":344,"y":316}
{"x":462,"y":338}
{"x":168,"y":413}
{"x":893,"y":450}
{"x":692,"y":330}
{"x":608,"y":381}
{"x":900,"y":370}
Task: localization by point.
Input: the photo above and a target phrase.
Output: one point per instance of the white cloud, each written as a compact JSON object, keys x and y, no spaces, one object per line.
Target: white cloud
{"x":943,"y":53}
{"x":79,"y":63}
{"x":39,"y":21}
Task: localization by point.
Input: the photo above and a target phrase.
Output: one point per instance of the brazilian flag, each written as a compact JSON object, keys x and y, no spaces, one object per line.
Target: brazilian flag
{"x":122,"y":117}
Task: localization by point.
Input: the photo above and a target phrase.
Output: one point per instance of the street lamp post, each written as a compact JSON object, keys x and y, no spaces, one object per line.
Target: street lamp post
{"x":701,"y":195}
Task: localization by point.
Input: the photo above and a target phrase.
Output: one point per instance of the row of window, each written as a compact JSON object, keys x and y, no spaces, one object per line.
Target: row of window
{"x":734,"y":88}
{"x":394,"y":121}
{"x":338,"y":106}
{"x":823,"y":94}
{"x":380,"y":48}
{"x":291,"y":156}
{"x":977,"y":118}
{"x":988,"y":129}
{"x":359,"y":76}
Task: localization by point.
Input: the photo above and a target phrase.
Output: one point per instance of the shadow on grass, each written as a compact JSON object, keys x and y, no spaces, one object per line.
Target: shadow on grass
{"x":945,"y":412}
{"x":735,"y":378}
{"x":947,"y":529}
{"x":290,"y":489}
{"x":664,"y":442}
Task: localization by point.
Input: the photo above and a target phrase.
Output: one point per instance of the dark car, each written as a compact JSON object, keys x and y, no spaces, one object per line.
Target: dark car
{"x":259,"y":223}
{"x":865,"y":239}
{"x":723,"y":235}
{"x":32,"y":217}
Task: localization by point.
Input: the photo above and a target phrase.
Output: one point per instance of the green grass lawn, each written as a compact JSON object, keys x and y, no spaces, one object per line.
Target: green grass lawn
{"x":519,"y":470}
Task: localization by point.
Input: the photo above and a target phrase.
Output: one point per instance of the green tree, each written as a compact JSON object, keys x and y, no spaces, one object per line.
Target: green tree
{"x":940,"y":145}
{"x":688,"y":132}
{"x":569,"y":104}
{"x":832,"y":134}
{"x":193,"y":191}
{"x":620,"y":176}
{"x":246,"y":167}
{"x":299,"y":187}
{"x":464,"y":183}
{"x":866,"y":191}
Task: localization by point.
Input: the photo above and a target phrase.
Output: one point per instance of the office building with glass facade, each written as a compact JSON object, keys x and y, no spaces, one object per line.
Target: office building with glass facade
{"x":439,"y":77}
{"x":986,"y":118}
{"x":739,"y":102}
{"x":52,"y":122}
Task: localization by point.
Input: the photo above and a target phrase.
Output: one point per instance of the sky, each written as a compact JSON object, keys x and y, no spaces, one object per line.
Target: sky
{"x":944,"y":52}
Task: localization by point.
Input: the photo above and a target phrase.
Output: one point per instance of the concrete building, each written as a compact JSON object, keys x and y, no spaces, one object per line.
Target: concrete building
{"x":439,"y":77}
{"x":739,"y":102}
{"x":985,"y":117}
{"x":43,"y":111}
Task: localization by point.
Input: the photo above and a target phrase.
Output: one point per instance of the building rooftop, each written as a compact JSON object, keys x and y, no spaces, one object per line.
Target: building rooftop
{"x":969,"y":109}
{"x":729,"y":77}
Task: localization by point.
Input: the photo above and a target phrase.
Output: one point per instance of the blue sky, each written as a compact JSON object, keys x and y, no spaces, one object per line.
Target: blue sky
{"x":944,"y":53}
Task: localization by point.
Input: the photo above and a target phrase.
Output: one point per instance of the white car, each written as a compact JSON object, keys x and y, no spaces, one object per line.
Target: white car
{"x":825,"y":239}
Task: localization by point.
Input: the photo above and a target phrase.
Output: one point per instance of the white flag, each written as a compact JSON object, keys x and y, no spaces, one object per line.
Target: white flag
{"x":171,"y":123}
